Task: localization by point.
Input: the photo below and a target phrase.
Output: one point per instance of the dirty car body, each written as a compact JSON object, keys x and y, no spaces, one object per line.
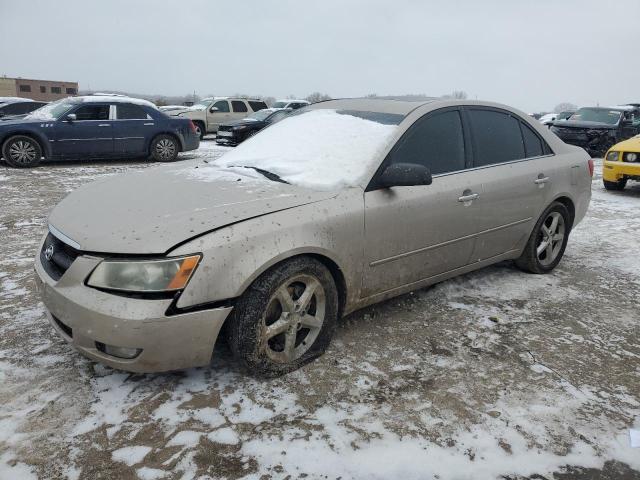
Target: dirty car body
{"x":239,"y":224}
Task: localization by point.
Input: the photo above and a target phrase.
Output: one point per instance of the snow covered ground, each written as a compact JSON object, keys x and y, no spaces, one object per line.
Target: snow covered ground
{"x":496,"y":374}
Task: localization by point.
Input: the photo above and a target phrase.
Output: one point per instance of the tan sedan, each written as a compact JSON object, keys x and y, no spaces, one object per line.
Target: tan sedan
{"x":341,"y":205}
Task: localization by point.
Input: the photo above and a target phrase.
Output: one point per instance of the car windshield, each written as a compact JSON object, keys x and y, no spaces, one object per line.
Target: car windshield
{"x":600,"y":115}
{"x":201,"y":105}
{"x":54,"y":110}
{"x":259,"y":115}
{"x":320,"y":149}
{"x":279,"y":105}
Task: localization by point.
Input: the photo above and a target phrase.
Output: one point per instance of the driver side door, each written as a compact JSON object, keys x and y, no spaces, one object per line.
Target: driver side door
{"x":217,"y":114}
{"x":90,"y":134}
{"x":419,"y":232}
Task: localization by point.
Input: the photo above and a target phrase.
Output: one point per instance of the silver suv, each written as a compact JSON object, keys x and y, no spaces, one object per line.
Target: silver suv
{"x":338,"y":206}
{"x":209,"y":113}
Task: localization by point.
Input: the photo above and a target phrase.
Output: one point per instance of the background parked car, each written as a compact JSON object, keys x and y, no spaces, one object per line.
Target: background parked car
{"x":10,"y":107}
{"x":290,"y":103}
{"x":548,"y":119}
{"x":209,"y":113}
{"x":622,"y":163}
{"x":596,"y":129}
{"x":99,"y":126}
{"x":234,"y":133}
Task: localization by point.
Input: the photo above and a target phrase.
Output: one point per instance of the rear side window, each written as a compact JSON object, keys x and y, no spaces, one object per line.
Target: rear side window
{"x":435,"y":141}
{"x":532,"y":142}
{"x":497,"y":137}
{"x":127,"y":111}
{"x":16,"y":108}
{"x":93,"y":112}
{"x":256,"y":106}
{"x":238,"y":106}
{"x":222,"y":106}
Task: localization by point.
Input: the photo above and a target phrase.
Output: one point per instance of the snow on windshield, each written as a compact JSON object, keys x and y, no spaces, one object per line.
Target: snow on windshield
{"x":321,"y":149}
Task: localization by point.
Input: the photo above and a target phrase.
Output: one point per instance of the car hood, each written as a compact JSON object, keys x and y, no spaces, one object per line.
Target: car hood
{"x":151,"y":211}
{"x":6,"y":121}
{"x":578,"y":124}
{"x":630,"y":145}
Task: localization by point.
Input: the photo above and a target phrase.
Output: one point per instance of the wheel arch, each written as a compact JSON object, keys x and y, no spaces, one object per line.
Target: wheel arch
{"x":567,"y":202}
{"x":44,"y":144}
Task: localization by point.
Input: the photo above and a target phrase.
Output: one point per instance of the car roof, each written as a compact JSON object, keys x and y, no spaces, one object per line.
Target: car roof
{"x":292,"y":100}
{"x":401,"y":107}
{"x":4,"y":100}
{"x":112,"y":98}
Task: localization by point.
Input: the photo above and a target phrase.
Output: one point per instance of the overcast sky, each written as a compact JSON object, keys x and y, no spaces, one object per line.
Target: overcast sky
{"x":531,"y":54}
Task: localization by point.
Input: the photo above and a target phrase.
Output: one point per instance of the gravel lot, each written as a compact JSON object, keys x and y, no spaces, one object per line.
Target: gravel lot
{"x":496,"y":374}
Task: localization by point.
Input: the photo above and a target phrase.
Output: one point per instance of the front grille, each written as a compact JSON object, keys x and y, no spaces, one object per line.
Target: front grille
{"x":224,"y":128}
{"x":66,"y":329}
{"x":62,"y":256}
{"x":631,"y":157}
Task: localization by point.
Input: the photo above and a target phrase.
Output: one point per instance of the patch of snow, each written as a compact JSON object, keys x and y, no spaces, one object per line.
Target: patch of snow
{"x":321,"y":149}
{"x":130,"y":455}
{"x":225,"y":436}
{"x":146,"y":473}
{"x":186,"y":438}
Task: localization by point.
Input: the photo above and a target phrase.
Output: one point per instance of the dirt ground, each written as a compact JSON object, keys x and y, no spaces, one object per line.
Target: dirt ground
{"x":496,"y":374}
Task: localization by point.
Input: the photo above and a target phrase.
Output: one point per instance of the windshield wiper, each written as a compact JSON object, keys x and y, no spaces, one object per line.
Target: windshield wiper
{"x":270,"y":175}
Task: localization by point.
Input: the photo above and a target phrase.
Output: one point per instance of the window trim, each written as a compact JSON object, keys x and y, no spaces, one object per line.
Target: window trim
{"x":371,"y":186}
{"x":78,"y":107}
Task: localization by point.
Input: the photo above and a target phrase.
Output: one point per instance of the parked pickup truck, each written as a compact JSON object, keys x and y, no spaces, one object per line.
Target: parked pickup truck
{"x":210,"y":112}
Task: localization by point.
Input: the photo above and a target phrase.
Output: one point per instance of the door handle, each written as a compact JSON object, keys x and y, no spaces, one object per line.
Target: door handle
{"x":541,"y":181}
{"x":468,"y":198}
{"x":104,"y":124}
{"x":149,"y":124}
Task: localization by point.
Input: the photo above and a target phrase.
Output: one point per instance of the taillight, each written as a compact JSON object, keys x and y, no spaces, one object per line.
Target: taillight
{"x":591,"y":167}
{"x":192,"y":126}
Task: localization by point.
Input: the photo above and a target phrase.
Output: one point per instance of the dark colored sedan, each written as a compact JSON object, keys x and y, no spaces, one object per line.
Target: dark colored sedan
{"x":12,"y":107}
{"x":233,"y":133}
{"x":98,"y":126}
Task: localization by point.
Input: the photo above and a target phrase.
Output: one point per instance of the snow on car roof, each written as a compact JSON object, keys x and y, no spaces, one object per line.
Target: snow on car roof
{"x":115,"y":98}
{"x":14,"y":99}
{"x":290,"y":100}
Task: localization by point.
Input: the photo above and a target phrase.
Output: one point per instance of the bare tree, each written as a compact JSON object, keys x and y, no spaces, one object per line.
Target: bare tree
{"x":269,"y":100}
{"x":565,"y":107}
{"x":317,"y":97}
{"x":456,"y":95}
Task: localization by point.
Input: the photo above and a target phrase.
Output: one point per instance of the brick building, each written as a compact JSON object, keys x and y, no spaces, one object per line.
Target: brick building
{"x":42,"y":90}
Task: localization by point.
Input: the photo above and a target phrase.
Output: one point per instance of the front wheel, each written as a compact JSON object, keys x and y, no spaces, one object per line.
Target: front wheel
{"x":164,"y":148}
{"x":617,"y":186}
{"x":285,"y":319}
{"x":547,"y":242}
{"x":22,"y":152}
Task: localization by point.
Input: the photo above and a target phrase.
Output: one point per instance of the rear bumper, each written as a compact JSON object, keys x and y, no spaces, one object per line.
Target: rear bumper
{"x":614,"y":171}
{"x":86,"y":317}
{"x":191,"y":142}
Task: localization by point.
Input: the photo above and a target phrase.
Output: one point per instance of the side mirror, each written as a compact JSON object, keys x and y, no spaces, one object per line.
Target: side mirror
{"x":72,"y":117}
{"x":214,"y":109}
{"x":404,"y":175}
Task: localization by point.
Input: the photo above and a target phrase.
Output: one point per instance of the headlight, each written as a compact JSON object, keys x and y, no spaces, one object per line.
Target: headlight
{"x":164,"y":275}
{"x":613,"y":156}
{"x":631,"y":157}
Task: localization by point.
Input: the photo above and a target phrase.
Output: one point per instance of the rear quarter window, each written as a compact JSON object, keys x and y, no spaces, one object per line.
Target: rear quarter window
{"x":238,"y":106}
{"x":256,"y":106}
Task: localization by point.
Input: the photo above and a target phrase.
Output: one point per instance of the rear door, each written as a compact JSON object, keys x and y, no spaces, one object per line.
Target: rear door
{"x":132,"y":129}
{"x":240,"y":109}
{"x":514,"y":166}
{"x":414,"y":233}
{"x":218,"y":113}
{"x":91,"y":134}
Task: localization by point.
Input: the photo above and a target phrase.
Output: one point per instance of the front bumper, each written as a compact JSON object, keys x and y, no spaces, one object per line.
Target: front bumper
{"x":614,"y":171}
{"x":86,"y":317}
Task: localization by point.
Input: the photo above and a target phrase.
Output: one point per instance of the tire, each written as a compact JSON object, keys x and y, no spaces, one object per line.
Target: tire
{"x":270,"y":343}
{"x":164,"y":148}
{"x":21,"y":151}
{"x":617,"y":186}
{"x":556,"y":216}
{"x":200,"y":129}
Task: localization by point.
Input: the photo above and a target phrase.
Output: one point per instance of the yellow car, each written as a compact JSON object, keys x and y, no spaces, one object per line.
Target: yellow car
{"x":622,"y":163}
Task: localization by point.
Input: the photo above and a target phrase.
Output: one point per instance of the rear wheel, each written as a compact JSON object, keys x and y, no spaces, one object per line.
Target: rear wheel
{"x":22,"y":152}
{"x":285,"y":319}
{"x":164,"y":148}
{"x":619,"y":185}
{"x":547,"y":242}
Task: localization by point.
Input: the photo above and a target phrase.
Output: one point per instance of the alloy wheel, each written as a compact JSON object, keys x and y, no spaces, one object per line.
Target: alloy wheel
{"x":166,"y":149}
{"x":22,"y":152}
{"x":293,"y":318}
{"x":550,"y":238}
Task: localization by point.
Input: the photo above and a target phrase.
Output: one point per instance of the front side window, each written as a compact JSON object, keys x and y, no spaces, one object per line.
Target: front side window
{"x":435,"y":141}
{"x":92,"y":112}
{"x":127,"y":111}
{"x":238,"y":106}
{"x":497,"y":137}
{"x":222,"y":106}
